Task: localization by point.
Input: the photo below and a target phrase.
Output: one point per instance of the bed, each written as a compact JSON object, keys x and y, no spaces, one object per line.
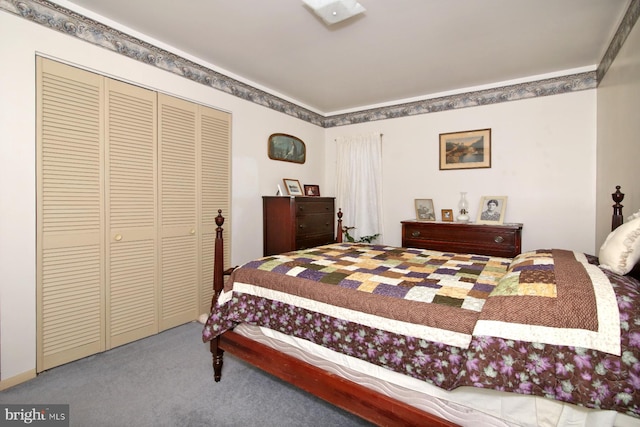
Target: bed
{"x":403,"y":336}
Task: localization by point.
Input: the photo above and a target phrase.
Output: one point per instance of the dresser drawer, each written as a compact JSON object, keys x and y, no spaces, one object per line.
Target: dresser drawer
{"x":494,"y":240}
{"x":476,"y":235}
{"x":314,"y":207}
{"x":309,"y":224}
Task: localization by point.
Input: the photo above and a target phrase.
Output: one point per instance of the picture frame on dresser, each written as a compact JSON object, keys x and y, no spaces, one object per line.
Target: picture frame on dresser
{"x":492,"y":210}
{"x":312,"y":190}
{"x":447,"y":215}
{"x":293,"y":187}
{"x":425,"y":210}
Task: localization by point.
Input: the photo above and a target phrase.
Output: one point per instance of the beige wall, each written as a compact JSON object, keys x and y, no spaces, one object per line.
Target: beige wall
{"x":543,"y":160}
{"x":619,"y":133}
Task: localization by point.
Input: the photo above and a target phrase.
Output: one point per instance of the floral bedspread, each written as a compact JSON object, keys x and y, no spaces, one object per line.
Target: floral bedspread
{"x":579,"y":375}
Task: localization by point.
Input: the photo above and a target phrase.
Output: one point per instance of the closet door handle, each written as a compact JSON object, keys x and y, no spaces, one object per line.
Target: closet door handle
{"x":117,"y":237}
{"x":192,"y":231}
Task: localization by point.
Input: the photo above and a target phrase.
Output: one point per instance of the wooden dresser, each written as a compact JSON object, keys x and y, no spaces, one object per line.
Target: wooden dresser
{"x":292,"y":223}
{"x":495,"y":240}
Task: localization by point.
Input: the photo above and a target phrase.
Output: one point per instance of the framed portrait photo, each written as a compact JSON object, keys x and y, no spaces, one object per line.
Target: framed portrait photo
{"x":424,"y":210}
{"x":447,"y":215}
{"x":293,"y":187}
{"x":465,"y":150}
{"x":311,"y":190}
{"x":492,"y":209}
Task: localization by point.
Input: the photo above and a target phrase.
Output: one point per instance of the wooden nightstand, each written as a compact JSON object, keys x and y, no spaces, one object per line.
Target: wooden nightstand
{"x":495,"y":240}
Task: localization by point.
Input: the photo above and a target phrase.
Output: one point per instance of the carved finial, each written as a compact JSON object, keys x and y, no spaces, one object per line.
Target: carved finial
{"x":219,"y":218}
{"x":339,"y":230}
{"x":617,"y":196}
{"x":617,"y":219}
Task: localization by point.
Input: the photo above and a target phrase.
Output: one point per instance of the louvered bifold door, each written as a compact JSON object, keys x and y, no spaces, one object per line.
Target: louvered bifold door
{"x":131,"y":243}
{"x":215,"y":193}
{"x":178,"y":211}
{"x":70,"y":217}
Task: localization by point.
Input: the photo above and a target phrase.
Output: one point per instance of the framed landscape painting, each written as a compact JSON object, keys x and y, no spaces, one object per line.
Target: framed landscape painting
{"x":286,"y":148}
{"x":465,"y":150}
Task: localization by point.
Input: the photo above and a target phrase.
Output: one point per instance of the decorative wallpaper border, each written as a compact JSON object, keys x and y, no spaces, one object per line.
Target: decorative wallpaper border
{"x":76,"y":25}
{"x":629,"y":20}
{"x":555,"y":86}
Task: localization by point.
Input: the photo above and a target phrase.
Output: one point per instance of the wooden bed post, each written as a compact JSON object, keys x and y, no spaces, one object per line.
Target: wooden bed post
{"x":339,"y":228}
{"x":218,"y":284}
{"x":617,"y":219}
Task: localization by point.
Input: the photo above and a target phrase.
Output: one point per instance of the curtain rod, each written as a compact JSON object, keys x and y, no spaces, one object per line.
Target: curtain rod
{"x":381,"y":135}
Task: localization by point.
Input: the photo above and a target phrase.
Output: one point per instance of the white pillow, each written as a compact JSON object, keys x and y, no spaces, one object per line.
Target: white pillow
{"x":621,"y":250}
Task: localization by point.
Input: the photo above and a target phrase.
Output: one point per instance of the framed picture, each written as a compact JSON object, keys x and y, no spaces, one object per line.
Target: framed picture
{"x":492,"y":210}
{"x":293,"y":187}
{"x":311,"y":190}
{"x":465,"y":150}
{"x":287,"y":148}
{"x":424,"y":210}
{"x":447,"y":215}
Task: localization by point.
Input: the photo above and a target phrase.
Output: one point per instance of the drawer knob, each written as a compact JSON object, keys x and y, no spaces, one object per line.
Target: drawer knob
{"x":301,"y":226}
{"x":415,"y":234}
{"x":498,"y":239}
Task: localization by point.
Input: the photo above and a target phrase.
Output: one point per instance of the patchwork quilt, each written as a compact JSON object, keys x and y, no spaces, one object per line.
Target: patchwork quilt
{"x":428,"y":295}
{"x":524,"y":325}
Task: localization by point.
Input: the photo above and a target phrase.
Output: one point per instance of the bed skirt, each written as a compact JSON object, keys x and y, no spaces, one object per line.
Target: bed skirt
{"x":465,"y":406}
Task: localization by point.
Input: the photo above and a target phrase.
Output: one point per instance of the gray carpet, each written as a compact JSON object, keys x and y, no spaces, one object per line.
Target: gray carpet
{"x":167,"y":380}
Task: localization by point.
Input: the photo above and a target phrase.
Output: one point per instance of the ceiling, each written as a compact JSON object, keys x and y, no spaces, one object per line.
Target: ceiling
{"x":398,"y":50}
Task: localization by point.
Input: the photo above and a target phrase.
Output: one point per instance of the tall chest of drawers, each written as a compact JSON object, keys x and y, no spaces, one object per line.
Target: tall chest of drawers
{"x":504,"y":240}
{"x":292,"y":223}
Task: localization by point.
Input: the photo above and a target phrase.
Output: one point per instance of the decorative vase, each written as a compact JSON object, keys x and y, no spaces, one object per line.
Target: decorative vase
{"x":463,"y":207}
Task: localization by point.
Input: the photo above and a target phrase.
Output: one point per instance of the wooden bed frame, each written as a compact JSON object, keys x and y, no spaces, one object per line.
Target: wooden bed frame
{"x":348,"y":395}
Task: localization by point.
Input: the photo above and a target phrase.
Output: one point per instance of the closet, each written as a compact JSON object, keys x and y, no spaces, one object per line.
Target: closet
{"x":129,"y":183}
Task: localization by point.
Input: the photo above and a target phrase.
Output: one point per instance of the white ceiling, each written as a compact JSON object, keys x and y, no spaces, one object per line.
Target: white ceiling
{"x":396,"y":50}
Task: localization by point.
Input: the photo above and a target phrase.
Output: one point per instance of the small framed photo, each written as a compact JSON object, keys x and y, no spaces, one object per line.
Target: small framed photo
{"x":424,"y":210}
{"x":465,"y":150}
{"x":293,"y":187}
{"x":492,"y":209}
{"x":447,"y":215}
{"x":311,"y":190}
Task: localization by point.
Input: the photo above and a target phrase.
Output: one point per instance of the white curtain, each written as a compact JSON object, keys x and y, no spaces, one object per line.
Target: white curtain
{"x":359,"y":183}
